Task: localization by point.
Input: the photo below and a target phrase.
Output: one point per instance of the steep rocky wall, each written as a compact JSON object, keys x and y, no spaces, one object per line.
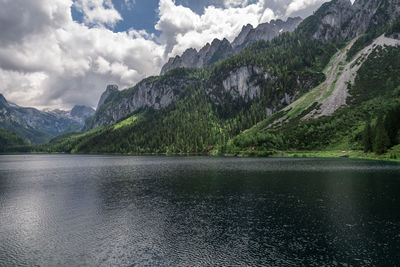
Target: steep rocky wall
{"x":340,"y":20}
{"x":155,"y":95}
{"x":242,"y":83}
{"x":249,"y":83}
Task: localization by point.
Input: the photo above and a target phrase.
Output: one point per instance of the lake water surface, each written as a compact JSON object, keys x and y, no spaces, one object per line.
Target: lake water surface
{"x":64,"y":210}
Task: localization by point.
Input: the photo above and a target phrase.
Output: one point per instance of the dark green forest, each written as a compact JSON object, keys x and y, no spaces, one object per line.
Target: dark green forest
{"x":11,"y":142}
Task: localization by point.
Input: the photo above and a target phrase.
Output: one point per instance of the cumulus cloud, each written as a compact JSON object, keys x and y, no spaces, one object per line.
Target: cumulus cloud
{"x":59,"y":62}
{"x":181,"y":28}
{"x":98,"y":12}
{"x":297,"y":5}
{"x":49,"y":60}
{"x":235,"y":3}
{"x":22,"y":19}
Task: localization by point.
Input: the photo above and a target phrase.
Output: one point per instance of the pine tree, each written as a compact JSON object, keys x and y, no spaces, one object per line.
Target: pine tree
{"x":381,"y":141}
{"x":367,"y":137}
{"x":392,"y":125}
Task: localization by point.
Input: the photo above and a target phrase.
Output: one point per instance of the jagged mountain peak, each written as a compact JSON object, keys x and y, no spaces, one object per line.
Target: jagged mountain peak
{"x":220,"y":49}
{"x":267,"y":31}
{"x":343,"y":20}
{"x":39,"y":126}
{"x":3,"y":100}
{"x":81,"y":111}
{"x":111,"y":88}
{"x":242,"y":35}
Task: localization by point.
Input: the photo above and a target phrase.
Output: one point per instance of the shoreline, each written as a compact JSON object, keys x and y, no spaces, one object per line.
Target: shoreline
{"x":328,"y":154}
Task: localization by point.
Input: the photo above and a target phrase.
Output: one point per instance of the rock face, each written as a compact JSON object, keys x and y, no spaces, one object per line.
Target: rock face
{"x":208,"y":55}
{"x":238,"y":84}
{"x":264,"y":31}
{"x":340,"y":20}
{"x":218,"y":49}
{"x":152,"y":93}
{"x":241,"y":38}
{"x":241,"y":84}
{"x":246,"y":84}
{"x":39,"y":126}
{"x":112,"y":88}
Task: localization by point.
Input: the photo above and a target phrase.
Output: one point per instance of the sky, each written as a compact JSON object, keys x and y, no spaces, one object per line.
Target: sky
{"x":61,"y":53}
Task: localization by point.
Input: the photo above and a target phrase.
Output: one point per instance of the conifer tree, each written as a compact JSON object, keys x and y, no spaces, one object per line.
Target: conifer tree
{"x":381,"y":141}
{"x":367,"y":137}
{"x":392,"y":124}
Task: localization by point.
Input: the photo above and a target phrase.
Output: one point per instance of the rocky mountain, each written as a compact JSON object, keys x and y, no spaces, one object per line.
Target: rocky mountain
{"x":207,"y":55}
{"x":80,"y":113}
{"x":340,"y":20}
{"x":241,"y":85}
{"x":264,"y":31}
{"x":40,"y":126}
{"x":315,"y":88}
{"x":112,"y":88}
{"x":218,"y":49}
{"x":154,"y":92}
{"x":332,"y":22}
{"x":160,"y":92}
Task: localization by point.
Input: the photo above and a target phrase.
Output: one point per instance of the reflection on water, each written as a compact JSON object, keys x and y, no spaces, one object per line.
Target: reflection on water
{"x":108,"y":210}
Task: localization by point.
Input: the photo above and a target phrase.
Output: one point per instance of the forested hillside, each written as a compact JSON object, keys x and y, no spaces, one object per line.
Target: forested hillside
{"x":207,"y":116}
{"x":11,"y":142}
{"x":326,"y":86}
{"x":366,"y":123}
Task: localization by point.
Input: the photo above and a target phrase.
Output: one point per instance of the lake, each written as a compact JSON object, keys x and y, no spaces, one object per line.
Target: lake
{"x":70,"y":210}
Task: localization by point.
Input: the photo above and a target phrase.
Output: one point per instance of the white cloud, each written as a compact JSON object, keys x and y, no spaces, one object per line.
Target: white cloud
{"x":98,"y":12}
{"x":297,"y":5}
{"x":235,"y":3}
{"x":182,"y":28}
{"x":62,"y":64}
{"x":21,"y":87}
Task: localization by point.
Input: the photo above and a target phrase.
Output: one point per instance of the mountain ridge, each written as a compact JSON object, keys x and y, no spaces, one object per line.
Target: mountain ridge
{"x":220,"y":49}
{"x":40,"y":126}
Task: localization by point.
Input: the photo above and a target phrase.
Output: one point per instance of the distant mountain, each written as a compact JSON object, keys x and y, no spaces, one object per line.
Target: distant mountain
{"x":80,"y":113}
{"x":218,"y":49}
{"x":40,"y":126}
